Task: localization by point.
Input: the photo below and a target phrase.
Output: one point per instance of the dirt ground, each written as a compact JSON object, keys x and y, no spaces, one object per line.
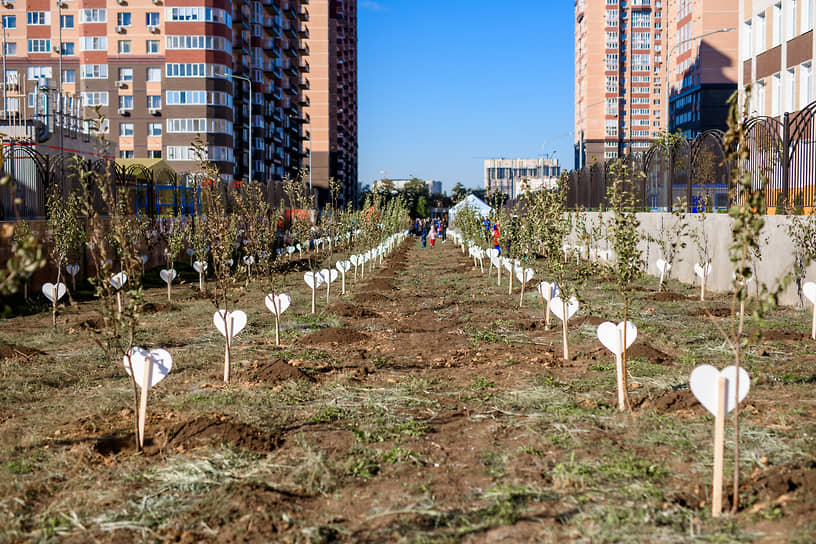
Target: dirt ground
{"x":422,"y":406}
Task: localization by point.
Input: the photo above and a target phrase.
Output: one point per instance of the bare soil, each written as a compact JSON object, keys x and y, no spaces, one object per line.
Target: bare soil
{"x":423,"y":406}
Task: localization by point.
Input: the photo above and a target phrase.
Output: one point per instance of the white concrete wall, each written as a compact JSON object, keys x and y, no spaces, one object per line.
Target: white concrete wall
{"x":776,"y":251}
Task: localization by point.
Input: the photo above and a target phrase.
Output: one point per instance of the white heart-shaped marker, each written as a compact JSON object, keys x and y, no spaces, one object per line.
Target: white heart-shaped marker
{"x":49,"y":288}
{"x":290,"y":249}
{"x":161,"y":361}
{"x":354,"y":260}
{"x":662,"y":266}
{"x":200,"y":266}
{"x":548,"y":290}
{"x":313,"y":279}
{"x":118,"y":280}
{"x":168,"y":275}
{"x":237,"y":319}
{"x":703,"y":383}
{"x":611,"y":335}
{"x":557,"y":307}
{"x":282,"y":301}
{"x":299,"y":247}
{"x":809,"y":290}
{"x":72,"y":269}
{"x":524,"y":274}
{"x":700,"y":270}
{"x":343,"y":266}
{"x":143,"y":259}
{"x":492,"y":252}
{"x":249,"y":260}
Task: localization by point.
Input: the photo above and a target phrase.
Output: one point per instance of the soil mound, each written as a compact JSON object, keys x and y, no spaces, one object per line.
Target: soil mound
{"x":775,"y":482}
{"x":92,"y":323}
{"x":667,"y":296}
{"x":10,"y":351}
{"x":645,"y":351}
{"x":340,"y":335}
{"x":422,"y":321}
{"x":381,"y":284}
{"x":276,"y":371}
{"x":784,"y":336}
{"x":672,"y":401}
{"x":714,"y":312}
{"x":371,"y":298}
{"x":159,"y":307}
{"x":218,"y":430}
{"x":583,"y":320}
{"x":351,"y":310}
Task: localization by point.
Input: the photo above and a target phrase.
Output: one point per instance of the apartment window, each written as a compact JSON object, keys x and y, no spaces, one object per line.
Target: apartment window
{"x":67,"y":49}
{"x":125,"y":129}
{"x":805,"y":84}
{"x":154,"y":154}
{"x":776,"y":34}
{"x":154,"y":129}
{"x":123,"y":18}
{"x":93,"y":15}
{"x":153,"y":74}
{"x":611,"y":17}
{"x":11,"y":49}
{"x":69,"y":76}
{"x":790,"y":22}
{"x":95,"y":98}
{"x":125,"y":74}
{"x":641,"y":40}
{"x":126,"y":154}
{"x":9,"y":22}
{"x":215,"y":43}
{"x":152,"y":18}
{"x":93,"y":71}
{"x":612,"y":84}
{"x":210,"y":15}
{"x":641,"y":19}
{"x":776,"y":95}
{"x":612,"y":106}
{"x":93,"y":43}
{"x":154,"y":101}
{"x":66,"y":21}
{"x":38,"y":72}
{"x":152,"y":47}
{"x":38,"y":18}
{"x":759,"y":43}
{"x":747,"y":47}
{"x":124,"y":47}
{"x":806,"y":16}
{"x":126,"y":102}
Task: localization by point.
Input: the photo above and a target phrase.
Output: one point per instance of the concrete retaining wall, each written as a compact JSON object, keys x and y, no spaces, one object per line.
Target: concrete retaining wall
{"x":777,"y":252}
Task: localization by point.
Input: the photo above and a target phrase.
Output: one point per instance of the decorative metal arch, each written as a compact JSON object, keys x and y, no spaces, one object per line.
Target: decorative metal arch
{"x":799,"y":181}
{"x":29,"y":170}
{"x":764,"y":138}
{"x":710,"y":169}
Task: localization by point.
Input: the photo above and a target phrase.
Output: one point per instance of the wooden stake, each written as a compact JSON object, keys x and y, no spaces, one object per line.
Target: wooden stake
{"x":719,"y":440}
{"x":619,"y":366}
{"x":564,"y":329}
{"x":313,"y":292}
{"x":499,"y":269}
{"x":119,"y":302}
{"x":521,"y":298}
{"x":662,"y":272}
{"x":702,"y":285}
{"x":813,"y":325}
{"x":148,"y":370}
{"x":343,"y":273}
{"x":168,"y":291}
{"x":201,"y":281}
{"x":510,"y":291}
{"x":228,"y":329}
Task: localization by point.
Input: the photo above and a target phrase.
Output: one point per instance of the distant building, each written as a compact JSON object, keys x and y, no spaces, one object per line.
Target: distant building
{"x":510,"y":176}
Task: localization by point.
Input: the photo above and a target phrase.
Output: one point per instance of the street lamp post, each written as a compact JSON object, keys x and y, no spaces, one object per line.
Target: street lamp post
{"x":249,"y":123}
{"x":668,"y":58}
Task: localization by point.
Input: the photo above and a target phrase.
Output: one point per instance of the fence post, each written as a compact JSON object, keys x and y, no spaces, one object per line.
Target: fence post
{"x":782,"y":200}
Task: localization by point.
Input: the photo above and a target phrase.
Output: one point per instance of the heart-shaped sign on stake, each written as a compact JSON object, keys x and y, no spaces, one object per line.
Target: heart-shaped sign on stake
{"x":617,"y":339}
{"x":313,"y":280}
{"x":719,"y":392}
{"x":72,"y":269}
{"x":168,"y":275}
{"x":547,"y":291}
{"x":564,"y":310}
{"x":702,"y":271}
{"x":229,"y":324}
{"x":249,"y":260}
{"x":277,"y":304}
{"x":663,"y":267}
{"x":201,"y":268}
{"x":147,"y":369}
{"x":118,"y":280}
{"x":809,"y":292}
{"x":343,"y":267}
{"x":524,"y":275}
{"x":143,"y":259}
{"x":54,"y":291}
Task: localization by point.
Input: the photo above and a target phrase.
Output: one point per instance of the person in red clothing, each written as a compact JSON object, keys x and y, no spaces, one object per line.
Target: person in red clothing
{"x":496,"y":238}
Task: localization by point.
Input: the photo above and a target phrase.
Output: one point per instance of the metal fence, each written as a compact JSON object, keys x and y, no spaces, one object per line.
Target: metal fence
{"x":150,"y":192}
{"x":782,"y":159}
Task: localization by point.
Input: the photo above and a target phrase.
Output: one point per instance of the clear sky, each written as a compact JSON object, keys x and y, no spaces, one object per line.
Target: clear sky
{"x":445,"y":84}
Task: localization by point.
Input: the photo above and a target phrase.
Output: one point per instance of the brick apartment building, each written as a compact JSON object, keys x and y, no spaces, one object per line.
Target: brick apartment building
{"x":166,"y":71}
{"x":777,"y":53}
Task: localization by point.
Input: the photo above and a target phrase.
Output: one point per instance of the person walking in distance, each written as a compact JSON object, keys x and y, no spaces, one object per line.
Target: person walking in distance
{"x":432,"y":236}
{"x":496,"y":237}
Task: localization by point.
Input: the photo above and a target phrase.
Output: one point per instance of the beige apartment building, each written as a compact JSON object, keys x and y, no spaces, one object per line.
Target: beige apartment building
{"x":701,"y":61}
{"x":777,"y":53}
{"x":619,"y":48}
{"x":330,"y":135}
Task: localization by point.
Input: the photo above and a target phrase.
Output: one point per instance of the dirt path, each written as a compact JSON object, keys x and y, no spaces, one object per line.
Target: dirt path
{"x":423,"y":406}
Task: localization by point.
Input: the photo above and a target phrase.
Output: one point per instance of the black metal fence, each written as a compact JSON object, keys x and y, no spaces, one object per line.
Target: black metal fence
{"x":782,"y":158}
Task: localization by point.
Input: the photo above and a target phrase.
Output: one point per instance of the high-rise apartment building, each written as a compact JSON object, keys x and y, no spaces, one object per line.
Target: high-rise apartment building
{"x":164,"y":72}
{"x":331,"y":100}
{"x":701,"y":59}
{"x":777,"y":53}
{"x":619,"y":48}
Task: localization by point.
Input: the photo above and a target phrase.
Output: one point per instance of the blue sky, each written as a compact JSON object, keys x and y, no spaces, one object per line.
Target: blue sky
{"x":445,"y":84}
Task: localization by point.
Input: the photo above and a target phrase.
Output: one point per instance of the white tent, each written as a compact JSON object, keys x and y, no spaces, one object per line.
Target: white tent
{"x":470,"y":201}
